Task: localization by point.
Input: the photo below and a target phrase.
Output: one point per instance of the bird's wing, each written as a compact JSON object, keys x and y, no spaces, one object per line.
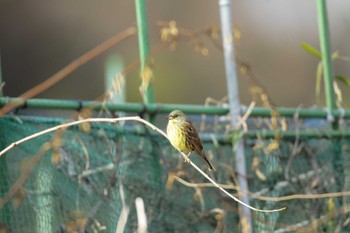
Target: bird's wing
{"x":193,"y":139}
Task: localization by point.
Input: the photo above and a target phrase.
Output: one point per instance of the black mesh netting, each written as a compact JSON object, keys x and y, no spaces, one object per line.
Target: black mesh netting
{"x":72,"y":181}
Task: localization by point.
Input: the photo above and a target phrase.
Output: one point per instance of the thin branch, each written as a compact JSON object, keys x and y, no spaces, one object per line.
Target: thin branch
{"x":309,"y":225}
{"x":243,"y":120}
{"x":134,"y":118}
{"x":123,"y":217}
{"x":70,"y":68}
{"x":107,"y":167}
{"x":141,"y":215}
{"x":264,"y":198}
{"x":86,"y":153}
{"x":294,"y":179}
{"x":63,"y":126}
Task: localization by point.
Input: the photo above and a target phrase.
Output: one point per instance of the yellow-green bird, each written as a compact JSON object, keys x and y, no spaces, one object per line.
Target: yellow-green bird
{"x":184,"y":137}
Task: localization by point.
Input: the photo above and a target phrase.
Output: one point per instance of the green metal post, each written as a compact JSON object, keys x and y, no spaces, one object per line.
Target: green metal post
{"x":142,"y":24}
{"x":328,"y":75}
{"x":326,"y":53}
{"x":147,"y":86}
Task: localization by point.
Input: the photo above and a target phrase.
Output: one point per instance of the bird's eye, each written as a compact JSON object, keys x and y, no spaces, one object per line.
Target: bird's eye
{"x":176,"y":115}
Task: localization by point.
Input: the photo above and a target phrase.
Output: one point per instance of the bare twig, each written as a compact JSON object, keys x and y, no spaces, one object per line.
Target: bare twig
{"x":264,"y":198}
{"x":123,"y":217}
{"x":141,"y":215}
{"x":309,"y":225}
{"x":86,"y":153}
{"x":69,"y":68}
{"x":134,"y":118}
{"x":107,"y":167}
{"x":243,"y":120}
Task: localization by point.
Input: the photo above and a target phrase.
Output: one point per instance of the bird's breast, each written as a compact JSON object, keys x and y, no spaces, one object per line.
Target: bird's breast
{"x":177,"y":137}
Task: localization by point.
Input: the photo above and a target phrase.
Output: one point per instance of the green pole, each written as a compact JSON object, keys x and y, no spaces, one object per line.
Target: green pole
{"x":326,"y":53}
{"x":328,"y":75}
{"x":142,"y":24}
{"x":301,"y":113}
{"x":147,"y":87}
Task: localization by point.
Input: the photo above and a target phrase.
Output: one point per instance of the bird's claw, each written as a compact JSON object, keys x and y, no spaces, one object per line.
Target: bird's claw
{"x":186,"y":159}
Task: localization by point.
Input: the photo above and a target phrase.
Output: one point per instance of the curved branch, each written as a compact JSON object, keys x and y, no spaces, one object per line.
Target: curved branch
{"x":133,"y":118}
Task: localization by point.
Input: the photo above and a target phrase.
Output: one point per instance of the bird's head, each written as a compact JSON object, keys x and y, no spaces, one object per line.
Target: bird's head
{"x":176,"y":116}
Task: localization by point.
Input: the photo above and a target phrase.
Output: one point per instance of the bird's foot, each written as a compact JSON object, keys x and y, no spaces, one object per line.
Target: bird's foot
{"x":186,"y":159}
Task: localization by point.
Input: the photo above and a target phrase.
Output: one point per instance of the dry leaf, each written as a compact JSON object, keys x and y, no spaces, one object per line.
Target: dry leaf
{"x":260,"y":175}
{"x":170,"y":180}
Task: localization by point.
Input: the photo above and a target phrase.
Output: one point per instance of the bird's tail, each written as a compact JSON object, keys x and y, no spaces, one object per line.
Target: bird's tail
{"x":210,"y":166}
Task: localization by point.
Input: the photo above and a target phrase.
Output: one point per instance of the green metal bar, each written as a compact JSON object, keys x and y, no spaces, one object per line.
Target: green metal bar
{"x":290,"y":134}
{"x":166,"y":108}
{"x":326,"y":53}
{"x":206,"y":137}
{"x":265,"y":134}
{"x":142,"y":24}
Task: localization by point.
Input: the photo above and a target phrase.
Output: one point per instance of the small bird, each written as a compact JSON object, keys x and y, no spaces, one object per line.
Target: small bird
{"x":184,"y":137}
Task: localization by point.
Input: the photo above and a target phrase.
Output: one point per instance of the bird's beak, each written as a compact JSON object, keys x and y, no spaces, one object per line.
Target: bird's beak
{"x":168,"y":117}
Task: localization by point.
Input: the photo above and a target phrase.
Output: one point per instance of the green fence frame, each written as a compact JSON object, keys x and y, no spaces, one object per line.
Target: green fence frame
{"x":150,"y":107}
